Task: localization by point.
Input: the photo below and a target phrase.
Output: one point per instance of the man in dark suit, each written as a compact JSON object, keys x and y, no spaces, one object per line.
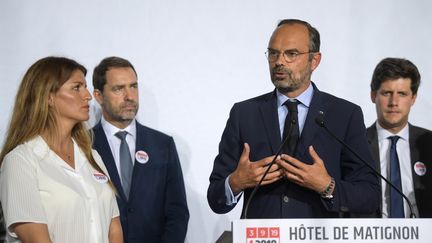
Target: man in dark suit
{"x":316,"y":176}
{"x":142,"y":163}
{"x":394,"y":86}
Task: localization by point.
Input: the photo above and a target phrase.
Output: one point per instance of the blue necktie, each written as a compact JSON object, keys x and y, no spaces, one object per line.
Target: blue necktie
{"x":126,"y":165}
{"x":396,"y":200}
{"x":291,"y":120}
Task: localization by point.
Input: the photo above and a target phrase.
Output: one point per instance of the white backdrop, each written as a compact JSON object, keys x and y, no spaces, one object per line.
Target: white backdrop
{"x":195,"y":58}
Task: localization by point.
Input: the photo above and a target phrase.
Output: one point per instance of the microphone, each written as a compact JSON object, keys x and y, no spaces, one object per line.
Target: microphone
{"x":320,"y":121}
{"x":279,"y":151}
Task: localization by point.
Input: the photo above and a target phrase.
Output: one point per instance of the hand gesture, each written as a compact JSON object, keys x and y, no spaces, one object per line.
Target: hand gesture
{"x":314,"y":176}
{"x":249,"y":173}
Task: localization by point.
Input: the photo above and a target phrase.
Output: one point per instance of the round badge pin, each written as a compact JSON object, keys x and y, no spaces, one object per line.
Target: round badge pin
{"x":142,"y":157}
{"x":420,"y":168}
{"x":99,"y":177}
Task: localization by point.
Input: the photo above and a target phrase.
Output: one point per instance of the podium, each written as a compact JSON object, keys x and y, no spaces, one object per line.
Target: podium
{"x":342,"y":230}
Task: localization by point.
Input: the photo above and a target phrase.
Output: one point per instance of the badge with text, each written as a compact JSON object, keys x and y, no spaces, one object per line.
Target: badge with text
{"x":420,"y":168}
{"x":262,"y":234}
{"x":142,"y":157}
{"x":99,"y":177}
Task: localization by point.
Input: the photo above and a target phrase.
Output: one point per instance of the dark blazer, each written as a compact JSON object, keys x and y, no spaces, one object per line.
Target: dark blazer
{"x":157,"y":210}
{"x":420,"y":142}
{"x":255,"y":122}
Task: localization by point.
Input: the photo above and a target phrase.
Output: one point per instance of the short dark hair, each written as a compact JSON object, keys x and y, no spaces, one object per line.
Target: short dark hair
{"x":99,"y":72}
{"x":394,"y":68}
{"x":314,"y":36}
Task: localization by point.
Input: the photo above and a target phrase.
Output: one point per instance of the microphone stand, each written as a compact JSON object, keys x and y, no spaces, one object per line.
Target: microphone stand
{"x":279,"y":151}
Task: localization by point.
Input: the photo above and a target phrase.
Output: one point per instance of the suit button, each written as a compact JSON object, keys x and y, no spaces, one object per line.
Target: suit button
{"x":285,"y":199}
{"x":131,"y":210}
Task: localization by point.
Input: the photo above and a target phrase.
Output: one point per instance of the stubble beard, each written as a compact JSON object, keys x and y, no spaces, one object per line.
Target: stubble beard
{"x":117,"y":115}
{"x":393,"y":124}
{"x":290,"y":83}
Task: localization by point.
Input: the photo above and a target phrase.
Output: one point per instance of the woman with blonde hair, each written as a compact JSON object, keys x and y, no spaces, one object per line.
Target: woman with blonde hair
{"x":53,"y":186}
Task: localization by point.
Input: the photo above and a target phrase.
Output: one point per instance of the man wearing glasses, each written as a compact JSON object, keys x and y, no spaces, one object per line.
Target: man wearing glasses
{"x":315,"y":176}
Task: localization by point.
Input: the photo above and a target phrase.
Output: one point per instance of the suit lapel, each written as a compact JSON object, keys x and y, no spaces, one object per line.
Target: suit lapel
{"x":372,"y":137}
{"x":101,"y":144}
{"x":140,"y":171}
{"x":318,"y":105}
{"x":271,"y":120}
{"x":412,"y":141}
{"x":415,"y":156}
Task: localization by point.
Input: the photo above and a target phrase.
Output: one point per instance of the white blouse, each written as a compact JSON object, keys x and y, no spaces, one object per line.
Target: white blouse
{"x":37,"y":186}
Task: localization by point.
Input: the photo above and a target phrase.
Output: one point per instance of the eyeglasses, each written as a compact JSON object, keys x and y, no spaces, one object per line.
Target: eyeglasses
{"x":289,"y":55}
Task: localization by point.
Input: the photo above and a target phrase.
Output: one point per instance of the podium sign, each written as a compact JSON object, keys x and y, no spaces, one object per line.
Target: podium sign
{"x":332,"y":230}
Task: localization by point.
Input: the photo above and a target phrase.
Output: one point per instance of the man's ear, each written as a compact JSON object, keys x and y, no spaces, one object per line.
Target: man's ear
{"x":413,"y":99}
{"x":316,"y":59}
{"x":98,"y":95}
{"x":373,"y":96}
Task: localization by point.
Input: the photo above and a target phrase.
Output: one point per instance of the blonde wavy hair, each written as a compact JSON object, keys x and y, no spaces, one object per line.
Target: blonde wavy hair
{"x":31,"y":114}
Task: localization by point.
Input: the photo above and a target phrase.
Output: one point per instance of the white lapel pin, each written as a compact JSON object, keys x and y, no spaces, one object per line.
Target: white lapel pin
{"x":420,"y":168}
{"x":142,"y":157}
{"x":99,"y":177}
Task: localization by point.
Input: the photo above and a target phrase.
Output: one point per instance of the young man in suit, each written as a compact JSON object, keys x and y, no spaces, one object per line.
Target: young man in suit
{"x":316,"y":176}
{"x":142,"y":163}
{"x":394,"y":86}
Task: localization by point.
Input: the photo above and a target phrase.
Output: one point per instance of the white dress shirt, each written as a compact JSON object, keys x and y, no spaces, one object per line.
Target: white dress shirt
{"x":36,"y":185}
{"x":404,"y":155}
{"x":114,"y":142}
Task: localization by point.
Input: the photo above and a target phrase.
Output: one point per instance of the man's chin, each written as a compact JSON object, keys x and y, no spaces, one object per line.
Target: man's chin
{"x":393,"y":120}
{"x":392,"y":124}
{"x":127,"y":118}
{"x":128,"y":115}
{"x":284,"y":88}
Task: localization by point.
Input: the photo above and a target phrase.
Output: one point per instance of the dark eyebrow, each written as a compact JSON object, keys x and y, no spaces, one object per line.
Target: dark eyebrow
{"x":292,"y":50}
{"x":288,"y":50}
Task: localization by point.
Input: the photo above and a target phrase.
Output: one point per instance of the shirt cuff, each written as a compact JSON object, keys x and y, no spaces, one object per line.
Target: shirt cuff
{"x":229,"y":195}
